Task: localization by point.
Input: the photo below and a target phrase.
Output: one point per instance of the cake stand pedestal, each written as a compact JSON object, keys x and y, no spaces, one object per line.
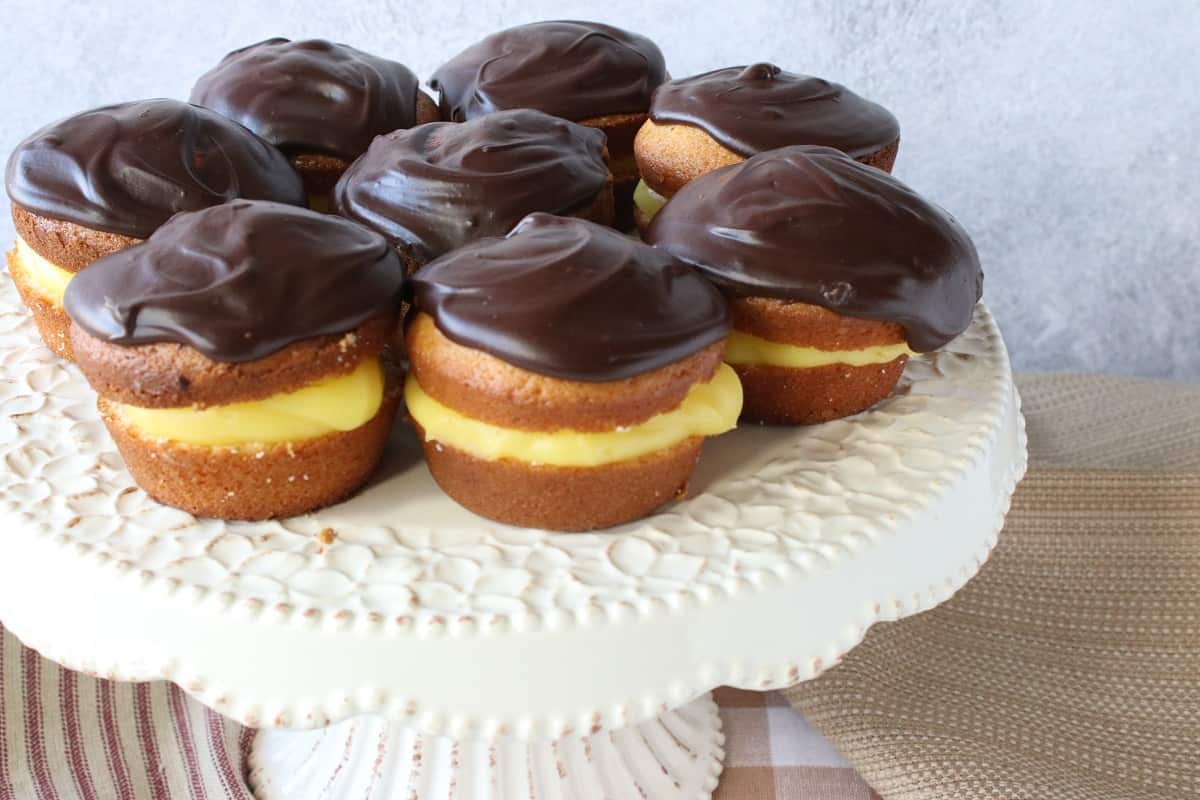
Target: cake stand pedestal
{"x":676,"y":755}
{"x":397,"y":645}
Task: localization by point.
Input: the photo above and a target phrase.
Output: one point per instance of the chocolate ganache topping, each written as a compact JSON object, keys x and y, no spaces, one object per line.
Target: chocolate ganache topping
{"x":576,"y":70}
{"x":127,"y":168}
{"x":312,"y":96}
{"x":760,"y":107}
{"x":440,"y":185}
{"x":239,"y":281}
{"x":571,"y":299}
{"x":813,"y":225}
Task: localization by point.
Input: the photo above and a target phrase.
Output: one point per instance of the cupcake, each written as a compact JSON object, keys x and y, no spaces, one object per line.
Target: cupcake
{"x":438,"y":186}
{"x":565,"y":376}
{"x":586,"y":72}
{"x":238,"y":354}
{"x":321,"y":103}
{"x":723,"y":117}
{"x":836,"y":272}
{"x":99,"y":181}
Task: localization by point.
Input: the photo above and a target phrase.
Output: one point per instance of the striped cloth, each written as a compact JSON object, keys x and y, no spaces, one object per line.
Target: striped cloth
{"x":67,"y":736}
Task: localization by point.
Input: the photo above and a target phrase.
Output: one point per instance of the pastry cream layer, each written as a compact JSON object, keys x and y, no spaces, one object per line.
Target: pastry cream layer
{"x":709,"y":409}
{"x":648,"y":201}
{"x":743,"y":348}
{"x":47,"y":277}
{"x":341,"y":403}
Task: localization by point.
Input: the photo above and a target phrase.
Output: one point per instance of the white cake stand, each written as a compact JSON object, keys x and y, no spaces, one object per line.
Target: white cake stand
{"x":399,"y":646}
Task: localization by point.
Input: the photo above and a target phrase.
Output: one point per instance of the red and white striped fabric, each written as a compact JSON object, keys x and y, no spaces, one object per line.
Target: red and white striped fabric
{"x":66,"y":736}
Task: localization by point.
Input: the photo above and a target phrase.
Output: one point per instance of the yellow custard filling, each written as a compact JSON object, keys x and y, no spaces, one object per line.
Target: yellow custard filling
{"x":743,"y":348}
{"x":341,"y":403}
{"x":48,"y":278}
{"x":648,"y":201}
{"x":709,"y":409}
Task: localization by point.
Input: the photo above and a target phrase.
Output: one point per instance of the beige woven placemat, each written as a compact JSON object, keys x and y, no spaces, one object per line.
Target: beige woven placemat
{"x":1070,"y":666}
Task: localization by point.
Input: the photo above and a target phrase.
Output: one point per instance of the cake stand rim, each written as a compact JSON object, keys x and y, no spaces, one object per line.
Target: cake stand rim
{"x":432,"y":721}
{"x":342,"y":618}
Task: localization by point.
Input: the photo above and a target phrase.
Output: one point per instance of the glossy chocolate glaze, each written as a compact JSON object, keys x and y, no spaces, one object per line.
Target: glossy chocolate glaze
{"x":239,"y":281}
{"x":760,"y":107}
{"x":813,"y":225}
{"x":312,"y":96}
{"x":127,"y":168}
{"x":575,"y":70}
{"x":440,"y":185}
{"x":571,"y":299}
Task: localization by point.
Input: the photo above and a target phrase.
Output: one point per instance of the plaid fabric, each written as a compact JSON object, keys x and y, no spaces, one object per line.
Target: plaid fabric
{"x":67,"y":736}
{"x":771,"y":753}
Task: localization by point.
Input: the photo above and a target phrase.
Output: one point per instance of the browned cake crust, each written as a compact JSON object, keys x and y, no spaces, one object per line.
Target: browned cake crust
{"x":807,"y":325}
{"x":320,"y":172}
{"x":255,"y":481}
{"x":68,"y":246}
{"x":884,"y":158}
{"x":52,"y":322}
{"x":427,"y":108}
{"x":486,"y":388}
{"x":790,"y":396}
{"x":168,"y":375}
{"x":621,"y":129}
{"x":786,"y":396}
{"x":563,"y":498}
{"x":412,"y":262}
{"x":669,"y":156}
{"x":600,"y":210}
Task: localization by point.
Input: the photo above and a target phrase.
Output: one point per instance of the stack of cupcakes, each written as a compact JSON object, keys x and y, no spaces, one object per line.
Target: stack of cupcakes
{"x":248,"y":352}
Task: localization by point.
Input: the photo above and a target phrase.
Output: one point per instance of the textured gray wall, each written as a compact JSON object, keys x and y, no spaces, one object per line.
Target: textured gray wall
{"x":1064,"y":136}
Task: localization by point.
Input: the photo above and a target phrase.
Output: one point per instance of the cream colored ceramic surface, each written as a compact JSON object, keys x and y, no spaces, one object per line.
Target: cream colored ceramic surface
{"x":426,"y":613}
{"x":677,"y":756}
